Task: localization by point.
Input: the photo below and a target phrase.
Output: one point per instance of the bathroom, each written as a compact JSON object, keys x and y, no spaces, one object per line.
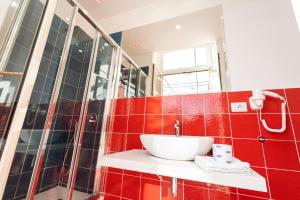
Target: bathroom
{"x":108,"y":99}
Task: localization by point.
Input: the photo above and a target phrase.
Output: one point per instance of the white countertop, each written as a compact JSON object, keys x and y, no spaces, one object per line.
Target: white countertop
{"x":142,"y":161}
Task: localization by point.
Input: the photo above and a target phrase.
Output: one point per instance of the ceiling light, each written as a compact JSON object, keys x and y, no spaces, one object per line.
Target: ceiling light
{"x":14,"y":4}
{"x":67,"y":18}
{"x":178,"y":27}
{"x":80,"y":51}
{"x":105,"y":44}
{"x":99,"y":1}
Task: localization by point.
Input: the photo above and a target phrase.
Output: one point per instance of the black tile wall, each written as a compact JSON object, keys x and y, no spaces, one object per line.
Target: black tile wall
{"x":25,"y":156}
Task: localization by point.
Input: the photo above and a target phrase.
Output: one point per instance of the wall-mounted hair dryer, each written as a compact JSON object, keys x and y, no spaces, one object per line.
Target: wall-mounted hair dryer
{"x":257,"y":103}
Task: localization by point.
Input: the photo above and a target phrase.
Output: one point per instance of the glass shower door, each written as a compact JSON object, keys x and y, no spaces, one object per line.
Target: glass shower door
{"x":85,"y":173}
{"x":54,"y":177}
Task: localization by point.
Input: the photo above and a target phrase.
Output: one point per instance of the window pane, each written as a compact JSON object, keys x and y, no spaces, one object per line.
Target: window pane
{"x":201,"y":57}
{"x":179,"y":59}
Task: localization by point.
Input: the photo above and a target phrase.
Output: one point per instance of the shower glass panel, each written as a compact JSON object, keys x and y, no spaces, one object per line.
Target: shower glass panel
{"x":14,"y":62}
{"x":132,"y":90}
{"x":58,"y":161}
{"x":93,"y":120}
{"x":25,"y":156}
{"x":124,"y":79}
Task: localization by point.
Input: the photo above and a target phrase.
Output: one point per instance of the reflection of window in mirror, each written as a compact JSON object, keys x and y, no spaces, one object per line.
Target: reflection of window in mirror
{"x":191,"y":71}
{"x":296,"y":7}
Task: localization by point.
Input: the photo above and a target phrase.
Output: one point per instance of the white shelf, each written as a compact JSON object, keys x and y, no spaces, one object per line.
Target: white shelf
{"x":142,"y":161}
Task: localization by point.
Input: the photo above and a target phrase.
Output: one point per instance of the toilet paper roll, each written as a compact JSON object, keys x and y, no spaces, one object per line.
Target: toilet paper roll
{"x":222,"y":153}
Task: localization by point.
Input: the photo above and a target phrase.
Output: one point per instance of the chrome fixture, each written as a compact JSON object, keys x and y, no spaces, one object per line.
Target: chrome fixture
{"x":177,"y":127}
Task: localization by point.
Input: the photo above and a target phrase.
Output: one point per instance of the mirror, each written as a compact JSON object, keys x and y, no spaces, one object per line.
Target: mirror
{"x":182,"y":55}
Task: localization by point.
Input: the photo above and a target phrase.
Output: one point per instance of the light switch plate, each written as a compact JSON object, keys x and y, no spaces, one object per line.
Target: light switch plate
{"x":239,"y":107}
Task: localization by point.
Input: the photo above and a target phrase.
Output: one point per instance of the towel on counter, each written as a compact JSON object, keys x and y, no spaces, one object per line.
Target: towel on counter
{"x":208,"y":163}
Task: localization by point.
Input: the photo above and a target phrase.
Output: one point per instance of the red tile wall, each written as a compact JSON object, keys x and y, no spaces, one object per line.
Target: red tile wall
{"x":277,"y":159}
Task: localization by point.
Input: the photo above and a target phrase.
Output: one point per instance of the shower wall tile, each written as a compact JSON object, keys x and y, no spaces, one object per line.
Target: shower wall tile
{"x":277,"y":159}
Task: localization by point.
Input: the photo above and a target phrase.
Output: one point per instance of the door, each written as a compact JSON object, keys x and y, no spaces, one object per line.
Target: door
{"x":59,"y":145}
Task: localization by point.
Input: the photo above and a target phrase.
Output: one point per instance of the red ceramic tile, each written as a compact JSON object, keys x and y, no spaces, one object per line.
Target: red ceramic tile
{"x":215,"y":103}
{"x":222,"y":188}
{"x":218,"y":195}
{"x":298,"y":146}
{"x":121,"y":106}
{"x":168,"y":123}
{"x":153,"y":105}
{"x":196,"y":184}
{"x":193,"y":125}
{"x":284,"y":184}
{"x":222,"y":140}
{"x":262,"y":172}
{"x":135,"y":124}
{"x":133,"y":142}
{"x":137,"y":106}
{"x":150,"y":176}
{"x":113,"y":184}
{"x":117,"y":142}
{"x":114,"y":170}
{"x":150,"y":189}
{"x":273,"y":105}
{"x":192,"y":104}
{"x":244,"y":126}
{"x":293,"y":98}
{"x":166,"y":193}
{"x":132,"y":173}
{"x":120,"y":124}
{"x":246,"y":197}
{"x":111,"y":197}
{"x":274,"y":121}
{"x":242,"y":96}
{"x":217,"y":125}
{"x":281,"y":155}
{"x":193,"y":193}
{"x":172,"y":105}
{"x":296,"y":125}
{"x":153,"y":124}
{"x":249,"y":151}
{"x":130,"y":187}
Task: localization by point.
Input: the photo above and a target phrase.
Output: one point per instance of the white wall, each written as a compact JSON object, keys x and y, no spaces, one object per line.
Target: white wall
{"x":262,"y":44}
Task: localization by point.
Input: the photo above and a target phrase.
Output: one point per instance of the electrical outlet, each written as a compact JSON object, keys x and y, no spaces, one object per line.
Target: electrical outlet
{"x":239,"y":107}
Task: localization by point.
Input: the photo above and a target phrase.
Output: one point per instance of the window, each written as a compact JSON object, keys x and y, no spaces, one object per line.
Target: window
{"x":191,"y":71}
{"x":186,"y":83}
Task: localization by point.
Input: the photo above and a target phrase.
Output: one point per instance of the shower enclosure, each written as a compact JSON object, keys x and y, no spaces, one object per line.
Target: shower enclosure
{"x":57,"y":76}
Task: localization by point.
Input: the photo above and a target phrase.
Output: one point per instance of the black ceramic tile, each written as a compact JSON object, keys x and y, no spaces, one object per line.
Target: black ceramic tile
{"x":18,"y":161}
{"x":19,"y":55}
{"x":11,"y":186}
{"x":53,"y":69}
{"x":48,"y":86}
{"x":25,"y":37}
{"x":81,"y":178}
{"x":39,"y":83}
{"x":52,"y":36}
{"x":69,"y":92}
{"x":44,"y":66}
{"x":48,"y":51}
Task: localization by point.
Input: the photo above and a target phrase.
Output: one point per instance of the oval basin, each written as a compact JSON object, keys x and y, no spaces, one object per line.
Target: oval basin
{"x":176,"y":147}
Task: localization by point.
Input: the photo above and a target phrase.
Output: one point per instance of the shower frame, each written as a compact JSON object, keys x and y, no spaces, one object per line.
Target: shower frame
{"x":16,"y":120}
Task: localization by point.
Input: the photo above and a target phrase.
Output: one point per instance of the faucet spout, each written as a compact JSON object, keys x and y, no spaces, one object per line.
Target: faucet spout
{"x":177,"y":128}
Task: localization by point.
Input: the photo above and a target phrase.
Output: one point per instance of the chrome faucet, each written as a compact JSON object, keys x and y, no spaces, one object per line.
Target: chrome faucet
{"x":177,"y":126}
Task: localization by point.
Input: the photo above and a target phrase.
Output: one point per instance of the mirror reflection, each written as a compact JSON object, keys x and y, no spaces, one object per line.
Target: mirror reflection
{"x":182,"y":55}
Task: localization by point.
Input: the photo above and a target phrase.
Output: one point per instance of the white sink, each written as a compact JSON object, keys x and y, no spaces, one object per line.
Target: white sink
{"x":176,"y":147}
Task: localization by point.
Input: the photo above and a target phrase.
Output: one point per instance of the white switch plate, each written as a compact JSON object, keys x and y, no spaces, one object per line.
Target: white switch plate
{"x":239,"y":107}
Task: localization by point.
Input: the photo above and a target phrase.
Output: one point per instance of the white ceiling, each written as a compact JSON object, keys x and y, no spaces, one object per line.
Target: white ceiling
{"x":108,"y":8}
{"x":120,"y":15}
{"x":198,"y":28}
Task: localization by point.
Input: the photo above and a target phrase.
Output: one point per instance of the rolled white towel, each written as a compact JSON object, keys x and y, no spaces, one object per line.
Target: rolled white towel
{"x":208,"y":163}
